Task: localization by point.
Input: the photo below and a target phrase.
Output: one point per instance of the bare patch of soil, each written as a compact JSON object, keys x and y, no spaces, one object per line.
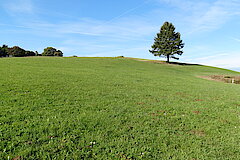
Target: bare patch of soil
{"x":223,"y":78}
{"x":196,"y":112}
{"x":197,"y":132}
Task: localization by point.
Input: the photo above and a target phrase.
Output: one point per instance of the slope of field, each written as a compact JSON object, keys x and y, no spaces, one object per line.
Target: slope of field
{"x":115,"y":108}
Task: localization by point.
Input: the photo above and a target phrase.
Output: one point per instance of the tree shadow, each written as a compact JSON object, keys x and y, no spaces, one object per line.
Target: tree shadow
{"x":184,"y":64}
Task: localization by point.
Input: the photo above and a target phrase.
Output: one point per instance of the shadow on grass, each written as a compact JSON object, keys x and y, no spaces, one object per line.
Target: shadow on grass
{"x":183,"y":64}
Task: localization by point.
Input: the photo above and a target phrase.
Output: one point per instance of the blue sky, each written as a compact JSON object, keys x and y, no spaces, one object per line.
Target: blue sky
{"x":209,"y":28}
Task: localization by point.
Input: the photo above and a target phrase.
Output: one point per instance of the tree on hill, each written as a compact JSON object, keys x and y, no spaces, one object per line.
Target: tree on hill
{"x":50,"y":51}
{"x":58,"y":53}
{"x":167,"y":43}
{"x":16,"y":52}
{"x":37,"y":54}
{"x":30,"y":53}
{"x":3,"y":51}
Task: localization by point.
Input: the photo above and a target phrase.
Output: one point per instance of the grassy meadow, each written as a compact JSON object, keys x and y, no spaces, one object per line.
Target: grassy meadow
{"x":116,"y":108}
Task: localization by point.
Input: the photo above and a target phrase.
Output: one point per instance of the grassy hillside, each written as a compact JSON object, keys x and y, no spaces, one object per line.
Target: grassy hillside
{"x":115,"y":108}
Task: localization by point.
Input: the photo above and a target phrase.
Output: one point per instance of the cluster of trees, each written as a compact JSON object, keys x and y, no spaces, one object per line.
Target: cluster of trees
{"x":50,"y":51}
{"x":16,"y":51}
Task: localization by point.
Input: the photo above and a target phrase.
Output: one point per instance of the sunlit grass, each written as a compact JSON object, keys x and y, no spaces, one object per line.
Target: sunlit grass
{"x":115,"y":108}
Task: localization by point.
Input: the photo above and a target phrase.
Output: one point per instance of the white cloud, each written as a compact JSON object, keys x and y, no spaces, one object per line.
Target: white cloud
{"x":214,"y":16}
{"x":225,"y":60}
{"x":202,"y":16}
{"x":19,"y":6}
{"x":125,"y":29}
{"x":236,"y":39}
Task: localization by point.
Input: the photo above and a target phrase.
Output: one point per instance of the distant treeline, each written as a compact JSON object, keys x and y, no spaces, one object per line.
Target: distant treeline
{"x":16,"y":51}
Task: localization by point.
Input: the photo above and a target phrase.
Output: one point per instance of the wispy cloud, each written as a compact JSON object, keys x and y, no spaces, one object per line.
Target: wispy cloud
{"x":19,"y":6}
{"x":214,"y":16}
{"x":131,"y":28}
{"x":145,"y":2}
{"x":224,"y":59}
{"x":202,"y":16}
{"x":236,"y":39}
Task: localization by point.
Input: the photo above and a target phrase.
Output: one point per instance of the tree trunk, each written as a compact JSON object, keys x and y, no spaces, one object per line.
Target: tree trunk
{"x":167,"y":58}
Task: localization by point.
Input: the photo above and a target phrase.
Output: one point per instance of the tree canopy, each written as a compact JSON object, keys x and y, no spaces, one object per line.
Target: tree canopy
{"x":167,"y":43}
{"x":50,"y":51}
{"x":17,"y":51}
{"x":3,"y":51}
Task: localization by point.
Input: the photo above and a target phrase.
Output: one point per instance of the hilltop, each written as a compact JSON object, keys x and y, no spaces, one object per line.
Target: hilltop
{"x":116,"y":108}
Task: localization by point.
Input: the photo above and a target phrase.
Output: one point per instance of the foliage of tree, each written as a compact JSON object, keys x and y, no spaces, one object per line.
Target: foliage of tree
{"x":37,"y":54}
{"x":16,"y":52}
{"x":167,"y":43}
{"x":30,"y":53}
{"x":50,"y":51}
{"x":58,"y":53}
{"x":3,"y":51}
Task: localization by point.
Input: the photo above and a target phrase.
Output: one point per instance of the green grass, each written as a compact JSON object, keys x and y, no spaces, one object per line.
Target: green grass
{"x":115,"y":108}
